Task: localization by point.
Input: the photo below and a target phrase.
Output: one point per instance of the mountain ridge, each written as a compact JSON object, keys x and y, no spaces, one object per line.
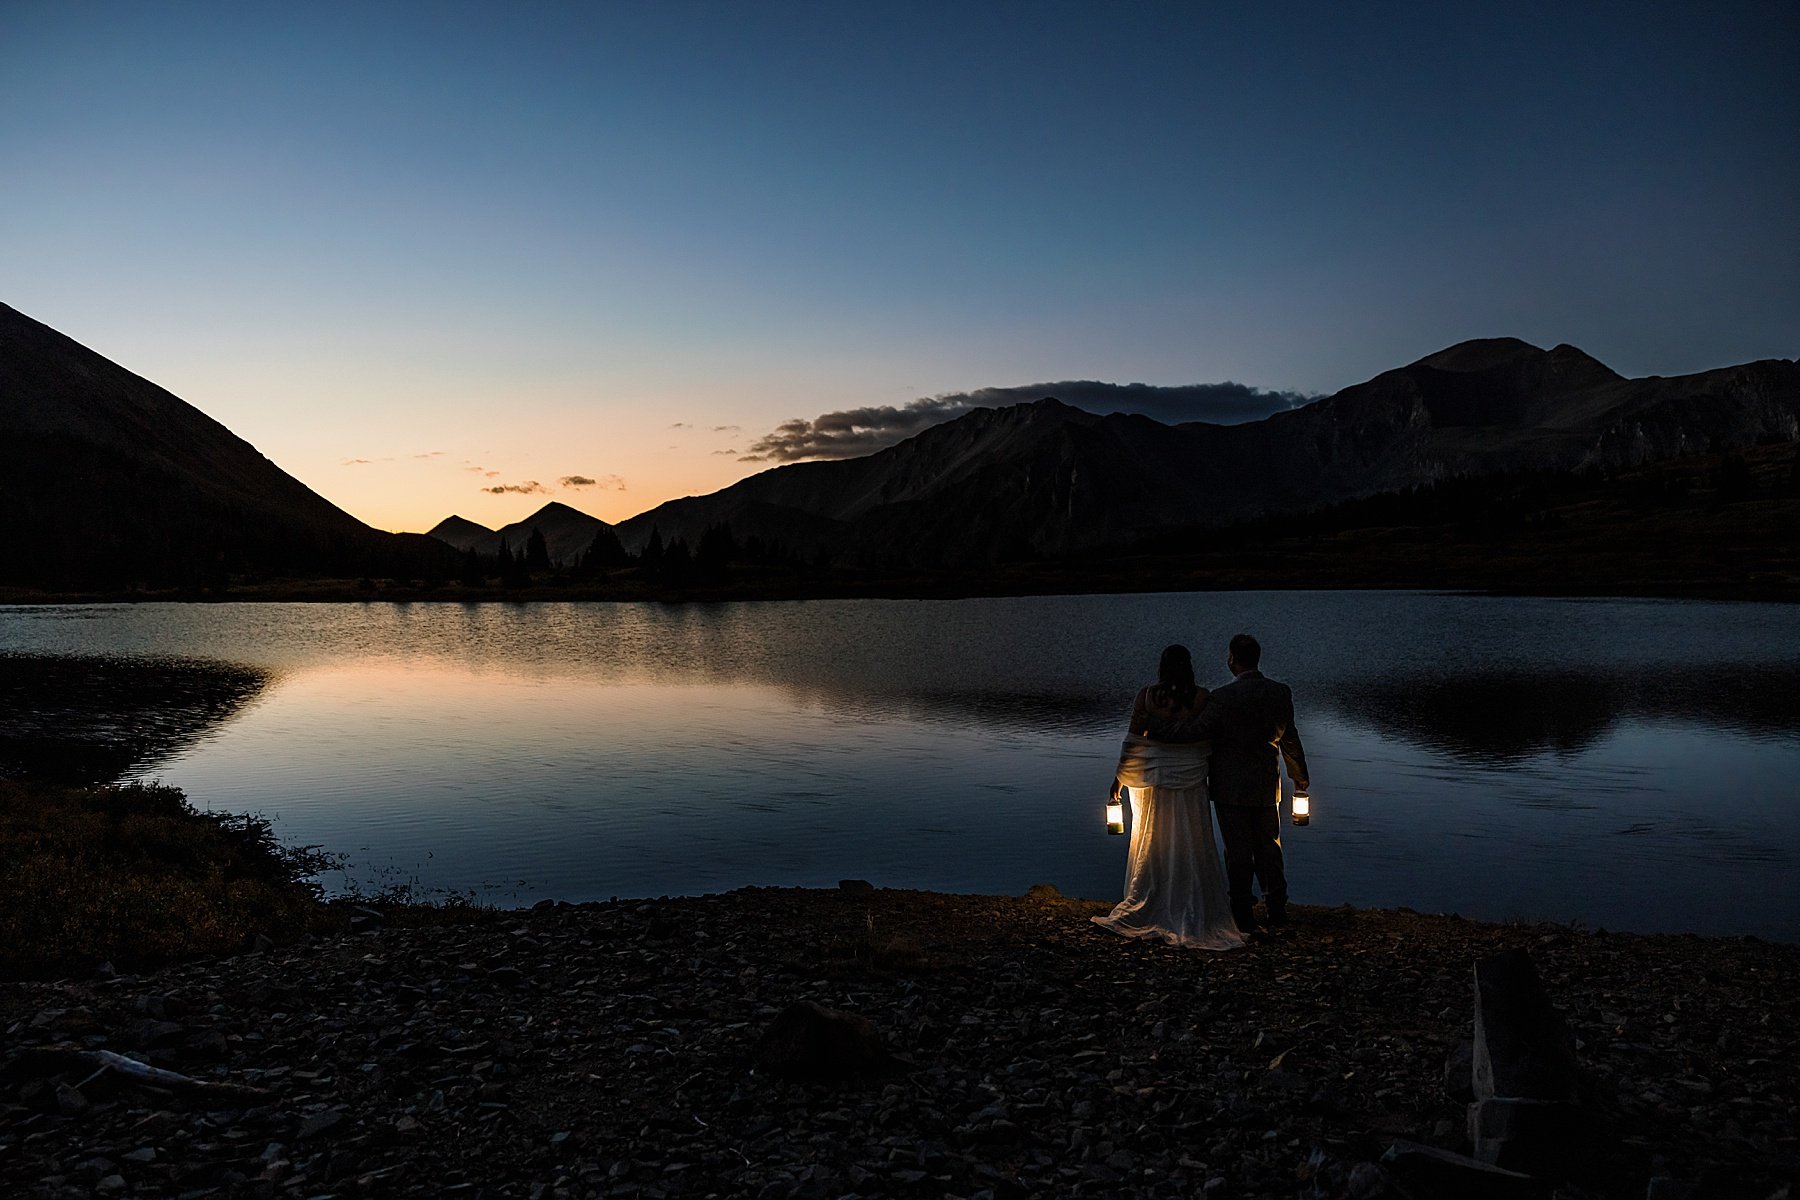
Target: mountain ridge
{"x":1043,"y":478}
{"x":107,"y":477}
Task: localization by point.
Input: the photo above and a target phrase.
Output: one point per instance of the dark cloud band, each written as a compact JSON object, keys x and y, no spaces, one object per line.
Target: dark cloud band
{"x":858,"y":431}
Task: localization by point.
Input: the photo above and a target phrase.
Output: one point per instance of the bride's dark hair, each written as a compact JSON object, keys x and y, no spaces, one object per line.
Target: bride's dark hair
{"x":1175,"y":677}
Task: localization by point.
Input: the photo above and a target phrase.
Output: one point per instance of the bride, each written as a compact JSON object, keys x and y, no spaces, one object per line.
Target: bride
{"x":1174,"y":883}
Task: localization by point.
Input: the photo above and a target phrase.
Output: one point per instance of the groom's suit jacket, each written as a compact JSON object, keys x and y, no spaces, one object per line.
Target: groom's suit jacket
{"x":1247,"y":720}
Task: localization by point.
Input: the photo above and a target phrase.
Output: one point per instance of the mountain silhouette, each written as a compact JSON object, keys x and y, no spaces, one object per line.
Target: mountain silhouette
{"x":107,"y":479}
{"x":568,"y":532}
{"x":1044,"y":479}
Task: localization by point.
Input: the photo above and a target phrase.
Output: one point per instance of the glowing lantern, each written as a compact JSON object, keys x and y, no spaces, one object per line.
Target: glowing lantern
{"x":1302,"y":808}
{"x":1115,"y":813}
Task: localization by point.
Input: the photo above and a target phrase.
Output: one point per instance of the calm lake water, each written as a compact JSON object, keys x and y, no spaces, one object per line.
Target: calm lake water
{"x":1625,"y":763}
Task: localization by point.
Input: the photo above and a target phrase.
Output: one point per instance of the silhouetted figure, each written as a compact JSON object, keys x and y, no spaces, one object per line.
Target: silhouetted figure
{"x":1174,"y":886}
{"x":1250,"y":723}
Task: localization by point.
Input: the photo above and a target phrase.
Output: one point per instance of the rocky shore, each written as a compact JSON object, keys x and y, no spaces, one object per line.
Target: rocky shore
{"x":622,"y":1050}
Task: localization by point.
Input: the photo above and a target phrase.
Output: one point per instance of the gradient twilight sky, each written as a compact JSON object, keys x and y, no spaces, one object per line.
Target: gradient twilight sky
{"x":615,"y":241}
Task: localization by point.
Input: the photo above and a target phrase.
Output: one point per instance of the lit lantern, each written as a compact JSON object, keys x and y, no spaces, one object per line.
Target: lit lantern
{"x":1302,"y":808}
{"x":1115,"y":813}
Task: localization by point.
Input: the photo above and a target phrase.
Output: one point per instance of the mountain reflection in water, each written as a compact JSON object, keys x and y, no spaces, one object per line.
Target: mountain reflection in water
{"x":1501,"y":717}
{"x":84,"y":721}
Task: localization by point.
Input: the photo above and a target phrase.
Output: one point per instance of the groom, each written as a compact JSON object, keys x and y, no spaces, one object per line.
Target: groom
{"x":1246,"y":720}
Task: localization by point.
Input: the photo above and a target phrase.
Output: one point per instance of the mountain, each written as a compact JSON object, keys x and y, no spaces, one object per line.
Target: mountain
{"x":109,"y":480}
{"x":568,"y":532}
{"x":463,"y":534}
{"x":1044,"y":479}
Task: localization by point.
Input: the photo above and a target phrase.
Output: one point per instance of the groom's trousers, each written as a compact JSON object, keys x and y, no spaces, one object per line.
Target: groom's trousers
{"x":1252,"y":835}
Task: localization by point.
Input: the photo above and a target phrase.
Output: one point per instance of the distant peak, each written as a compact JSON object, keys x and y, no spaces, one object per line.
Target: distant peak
{"x":1479,"y":354}
{"x":454,"y":521}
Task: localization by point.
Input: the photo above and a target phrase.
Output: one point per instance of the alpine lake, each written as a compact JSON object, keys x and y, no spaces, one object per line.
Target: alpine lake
{"x":1617,"y":763}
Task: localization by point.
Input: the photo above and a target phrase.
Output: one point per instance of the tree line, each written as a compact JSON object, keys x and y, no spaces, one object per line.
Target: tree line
{"x":709,"y":562}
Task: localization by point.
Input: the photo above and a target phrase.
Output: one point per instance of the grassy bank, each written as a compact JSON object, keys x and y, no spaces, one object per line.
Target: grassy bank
{"x":135,"y":876}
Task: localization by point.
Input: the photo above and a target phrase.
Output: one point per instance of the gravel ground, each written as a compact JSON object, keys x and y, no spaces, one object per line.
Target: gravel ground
{"x":611,"y":1050}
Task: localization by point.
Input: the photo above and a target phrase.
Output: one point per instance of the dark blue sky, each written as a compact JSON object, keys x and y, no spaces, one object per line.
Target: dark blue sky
{"x":539,"y":237}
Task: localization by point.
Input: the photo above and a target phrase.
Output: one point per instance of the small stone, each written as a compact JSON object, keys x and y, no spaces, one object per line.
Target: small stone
{"x":319,"y":1123}
{"x":1043,"y":891}
{"x":69,"y":1099}
{"x":363,"y":920}
{"x":856,"y":887}
{"x":112,"y":1185}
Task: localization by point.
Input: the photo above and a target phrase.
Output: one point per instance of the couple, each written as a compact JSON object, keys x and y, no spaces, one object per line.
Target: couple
{"x":1182,"y":741}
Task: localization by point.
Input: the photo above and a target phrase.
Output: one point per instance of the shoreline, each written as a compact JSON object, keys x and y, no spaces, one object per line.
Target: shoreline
{"x":610,"y":1049}
{"x":393,"y":592}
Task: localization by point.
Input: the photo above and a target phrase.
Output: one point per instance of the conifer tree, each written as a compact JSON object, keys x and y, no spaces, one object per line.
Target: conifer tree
{"x":651,"y":558}
{"x":605,"y":552}
{"x":537,"y":552}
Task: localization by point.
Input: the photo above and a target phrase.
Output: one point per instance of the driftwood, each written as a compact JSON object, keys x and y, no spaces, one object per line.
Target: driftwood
{"x":63,"y":1060}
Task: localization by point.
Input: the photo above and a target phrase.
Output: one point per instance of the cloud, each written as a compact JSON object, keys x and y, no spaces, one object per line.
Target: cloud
{"x":859,"y":431}
{"x":477,"y":470}
{"x":356,"y":462}
{"x":726,"y":428}
{"x":430,"y":454}
{"x":490,"y":474}
{"x":681,"y":425}
{"x":527,"y":488}
{"x":577,"y":482}
{"x":724,"y":451}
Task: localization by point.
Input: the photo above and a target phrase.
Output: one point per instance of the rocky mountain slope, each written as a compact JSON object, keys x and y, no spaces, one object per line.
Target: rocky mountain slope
{"x":1044,"y":479}
{"x":106,"y":478}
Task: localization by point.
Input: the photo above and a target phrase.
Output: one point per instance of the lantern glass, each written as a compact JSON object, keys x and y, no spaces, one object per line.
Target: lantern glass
{"x":1302,"y":808}
{"x":1115,"y":813}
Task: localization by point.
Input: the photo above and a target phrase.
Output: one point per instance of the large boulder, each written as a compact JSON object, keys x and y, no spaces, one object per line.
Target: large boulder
{"x":1525,"y":1114}
{"x":811,"y":1042}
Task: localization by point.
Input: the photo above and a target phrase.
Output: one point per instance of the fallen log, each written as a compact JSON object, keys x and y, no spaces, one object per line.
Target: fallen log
{"x":63,"y":1060}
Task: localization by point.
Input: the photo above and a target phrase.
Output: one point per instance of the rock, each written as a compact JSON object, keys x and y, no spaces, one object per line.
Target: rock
{"x":69,"y":1100}
{"x":1368,"y":1182}
{"x":1538,"y":1137}
{"x":856,"y":887}
{"x":363,"y":920}
{"x":1522,"y":1047}
{"x":112,"y":1185}
{"x":1428,"y":1171}
{"x":1043,"y":891}
{"x":65,"y":1022}
{"x":508,"y":977}
{"x":1459,"y":1073}
{"x":319,"y":1122}
{"x":808,"y":1041}
{"x":1667,"y":1187}
{"x":262,"y":943}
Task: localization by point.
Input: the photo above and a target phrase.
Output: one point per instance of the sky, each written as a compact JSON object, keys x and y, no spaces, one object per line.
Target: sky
{"x":610,"y":254}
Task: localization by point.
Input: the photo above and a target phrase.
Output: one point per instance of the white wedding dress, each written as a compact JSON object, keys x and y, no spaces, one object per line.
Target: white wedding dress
{"x":1174,"y":880}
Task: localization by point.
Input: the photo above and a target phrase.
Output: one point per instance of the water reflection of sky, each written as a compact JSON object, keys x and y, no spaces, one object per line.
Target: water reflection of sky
{"x":1639,"y":778}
